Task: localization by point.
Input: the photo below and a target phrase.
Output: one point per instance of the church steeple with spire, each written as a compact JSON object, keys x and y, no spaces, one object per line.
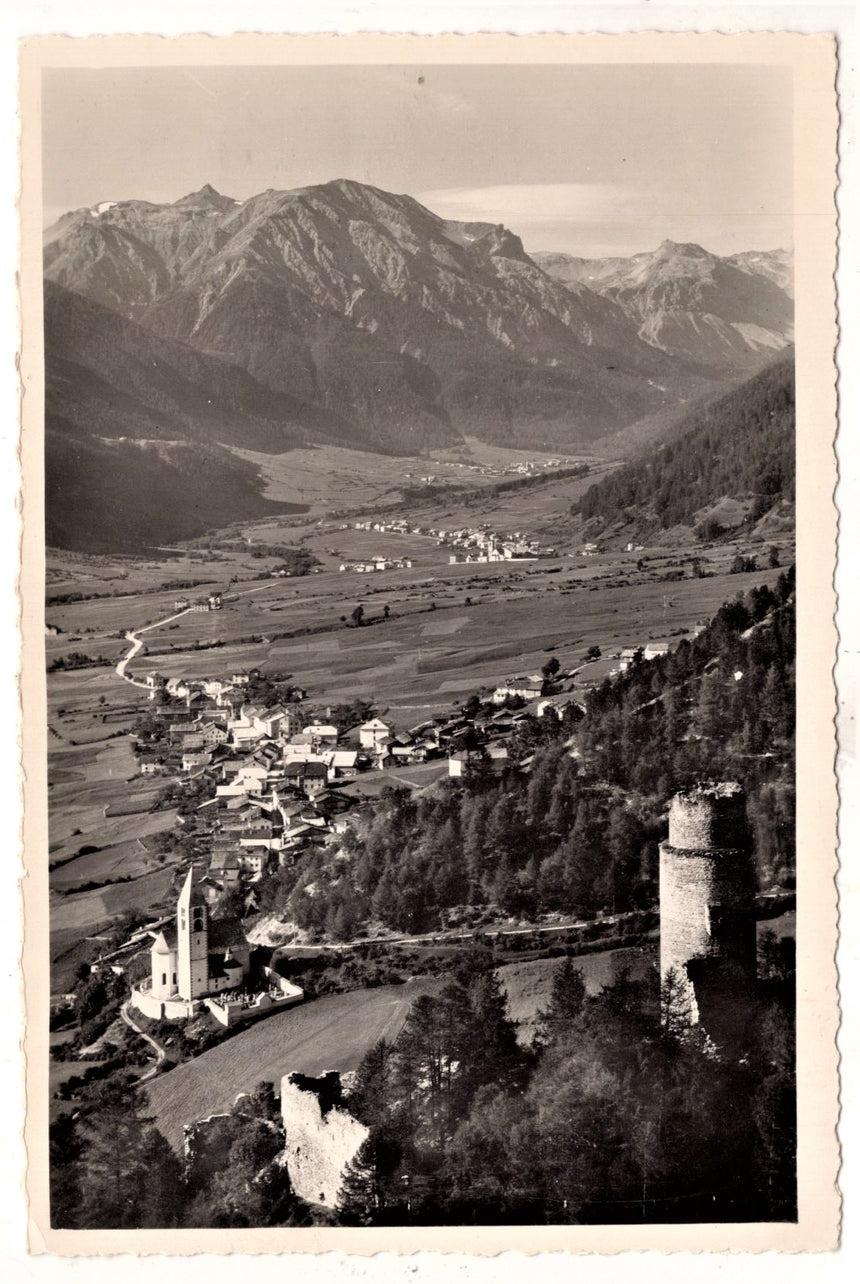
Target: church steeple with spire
{"x":192,"y":940}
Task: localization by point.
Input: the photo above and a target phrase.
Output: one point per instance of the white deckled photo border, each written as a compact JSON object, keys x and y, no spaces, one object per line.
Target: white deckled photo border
{"x":813,"y":62}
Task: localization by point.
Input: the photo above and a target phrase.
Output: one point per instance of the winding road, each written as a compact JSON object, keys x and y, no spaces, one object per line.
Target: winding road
{"x":137,"y":645}
{"x":137,"y":642}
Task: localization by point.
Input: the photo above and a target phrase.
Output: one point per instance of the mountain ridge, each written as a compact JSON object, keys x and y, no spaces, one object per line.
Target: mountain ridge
{"x":692,"y":304}
{"x":371,"y":306}
{"x":343,"y":313}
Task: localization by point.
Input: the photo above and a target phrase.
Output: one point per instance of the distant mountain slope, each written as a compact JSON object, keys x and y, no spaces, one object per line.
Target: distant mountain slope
{"x":113,"y":377}
{"x":776,"y":265}
{"x":729,"y":313}
{"x":126,"y":496}
{"x":739,"y":448}
{"x":407,"y":328}
{"x":132,"y":430}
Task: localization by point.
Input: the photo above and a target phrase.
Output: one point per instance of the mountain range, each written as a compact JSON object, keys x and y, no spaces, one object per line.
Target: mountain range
{"x":344,"y":313}
{"x":722,"y":312}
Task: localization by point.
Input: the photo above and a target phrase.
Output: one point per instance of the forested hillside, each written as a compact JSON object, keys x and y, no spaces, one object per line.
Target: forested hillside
{"x":573,"y":823}
{"x":739,"y":446}
{"x":607,"y":1118}
{"x":103,"y":496}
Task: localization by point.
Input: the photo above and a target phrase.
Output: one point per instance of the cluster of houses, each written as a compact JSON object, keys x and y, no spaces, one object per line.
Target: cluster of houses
{"x":522,"y":468}
{"x":472,"y":544}
{"x":591,"y":549}
{"x":484,"y":545}
{"x":212,"y":602}
{"x":377,"y":564}
{"x":280,"y":782}
{"x":396,"y":526}
{"x":630,"y":655}
{"x":276,"y":778}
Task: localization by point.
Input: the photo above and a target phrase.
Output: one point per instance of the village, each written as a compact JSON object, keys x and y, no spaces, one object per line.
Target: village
{"x":410,"y":766}
{"x":478,"y":544}
{"x":281,"y":782}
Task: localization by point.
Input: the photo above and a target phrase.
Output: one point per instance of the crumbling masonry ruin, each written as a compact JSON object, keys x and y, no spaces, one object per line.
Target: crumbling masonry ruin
{"x":707,"y":912}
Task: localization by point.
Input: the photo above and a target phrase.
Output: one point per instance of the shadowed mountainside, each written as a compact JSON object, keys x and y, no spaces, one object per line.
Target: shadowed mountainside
{"x":737,"y":448}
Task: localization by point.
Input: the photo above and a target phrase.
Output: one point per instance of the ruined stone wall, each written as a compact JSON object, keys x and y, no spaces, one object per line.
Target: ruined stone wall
{"x":321,"y":1137}
{"x":707,"y":894}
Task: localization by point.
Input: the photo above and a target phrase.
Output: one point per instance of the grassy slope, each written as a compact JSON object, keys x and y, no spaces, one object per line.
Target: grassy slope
{"x":332,"y":1033}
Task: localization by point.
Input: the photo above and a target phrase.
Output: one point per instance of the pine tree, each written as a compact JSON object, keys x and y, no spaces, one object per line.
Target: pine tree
{"x":66,"y":1147}
{"x":129,"y":1175}
{"x":369,"y":1184}
{"x":567,"y":999}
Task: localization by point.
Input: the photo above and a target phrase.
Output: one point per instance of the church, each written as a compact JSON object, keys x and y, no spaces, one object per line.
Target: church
{"x":199,"y":956}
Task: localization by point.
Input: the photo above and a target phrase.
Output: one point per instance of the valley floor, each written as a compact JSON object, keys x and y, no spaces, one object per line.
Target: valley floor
{"x":451,"y":631}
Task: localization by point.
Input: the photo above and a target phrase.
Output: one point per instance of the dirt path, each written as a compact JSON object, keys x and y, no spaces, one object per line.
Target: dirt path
{"x":137,"y":643}
{"x":452,"y":937}
{"x":160,"y":1053}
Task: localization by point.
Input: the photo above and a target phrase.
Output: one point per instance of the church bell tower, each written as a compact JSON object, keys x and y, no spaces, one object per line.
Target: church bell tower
{"x":192,"y":943}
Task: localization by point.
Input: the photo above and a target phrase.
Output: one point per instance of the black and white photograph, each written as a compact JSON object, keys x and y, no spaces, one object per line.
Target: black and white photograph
{"x":419,"y":719}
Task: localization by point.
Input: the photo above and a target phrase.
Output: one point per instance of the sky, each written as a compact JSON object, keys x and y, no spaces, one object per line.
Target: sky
{"x":591,"y":160}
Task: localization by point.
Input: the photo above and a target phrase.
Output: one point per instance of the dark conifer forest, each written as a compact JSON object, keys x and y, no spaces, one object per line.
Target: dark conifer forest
{"x":608,"y":1117}
{"x":740,"y":446}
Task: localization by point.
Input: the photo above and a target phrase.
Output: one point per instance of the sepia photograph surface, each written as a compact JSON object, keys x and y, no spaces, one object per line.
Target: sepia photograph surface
{"x":429,"y":465}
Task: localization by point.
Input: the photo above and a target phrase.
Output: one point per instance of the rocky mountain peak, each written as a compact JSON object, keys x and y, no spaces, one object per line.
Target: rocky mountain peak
{"x":206,"y":197}
{"x":692,"y":304}
{"x":687,"y":248}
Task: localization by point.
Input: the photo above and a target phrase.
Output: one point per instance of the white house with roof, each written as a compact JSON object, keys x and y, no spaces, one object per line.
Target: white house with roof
{"x":217,"y":688}
{"x":342,"y":764}
{"x":245,"y":737}
{"x":274,"y":722}
{"x":212,"y":734}
{"x":321,"y":734}
{"x":251,"y":778}
{"x":525,"y":688}
{"x":373,"y":733}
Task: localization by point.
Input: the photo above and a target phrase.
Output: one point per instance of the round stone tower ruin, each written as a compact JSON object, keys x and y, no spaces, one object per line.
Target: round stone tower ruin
{"x":707,"y":911}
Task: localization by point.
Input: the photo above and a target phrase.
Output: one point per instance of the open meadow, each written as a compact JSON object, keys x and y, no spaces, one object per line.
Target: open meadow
{"x":325,"y":477}
{"x":448,"y":635}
